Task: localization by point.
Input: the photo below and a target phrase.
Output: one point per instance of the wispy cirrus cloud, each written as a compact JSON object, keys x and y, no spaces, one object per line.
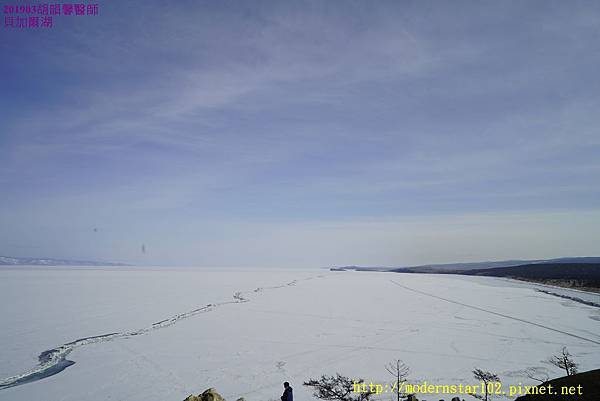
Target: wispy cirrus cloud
{"x":287,"y":112}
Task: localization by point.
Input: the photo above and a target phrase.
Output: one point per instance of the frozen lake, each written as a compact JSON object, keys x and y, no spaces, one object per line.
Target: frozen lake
{"x":177,"y":331}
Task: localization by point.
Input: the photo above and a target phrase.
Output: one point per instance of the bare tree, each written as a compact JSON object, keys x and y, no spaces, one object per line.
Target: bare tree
{"x":564,"y":361}
{"x":339,"y":388}
{"x":400,"y":372}
{"x":488,"y":378}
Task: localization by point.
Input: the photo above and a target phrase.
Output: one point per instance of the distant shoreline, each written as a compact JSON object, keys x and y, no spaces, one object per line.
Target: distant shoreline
{"x":26,"y":261}
{"x":568,"y":284}
{"x":581,"y":274}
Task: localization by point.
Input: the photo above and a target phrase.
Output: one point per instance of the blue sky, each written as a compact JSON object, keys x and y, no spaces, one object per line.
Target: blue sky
{"x":280,"y":133}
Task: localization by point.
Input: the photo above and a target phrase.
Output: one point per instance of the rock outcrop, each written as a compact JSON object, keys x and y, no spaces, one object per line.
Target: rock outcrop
{"x":209,"y":395}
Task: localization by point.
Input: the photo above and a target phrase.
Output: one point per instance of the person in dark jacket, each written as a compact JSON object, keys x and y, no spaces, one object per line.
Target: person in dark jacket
{"x":287,"y":392}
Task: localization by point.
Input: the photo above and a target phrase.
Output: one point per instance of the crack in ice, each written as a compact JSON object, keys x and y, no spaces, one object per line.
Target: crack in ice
{"x":497,"y":313}
{"x":53,"y":361}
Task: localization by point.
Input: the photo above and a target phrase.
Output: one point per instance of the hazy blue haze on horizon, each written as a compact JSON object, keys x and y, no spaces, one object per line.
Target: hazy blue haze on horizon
{"x":279,"y":133}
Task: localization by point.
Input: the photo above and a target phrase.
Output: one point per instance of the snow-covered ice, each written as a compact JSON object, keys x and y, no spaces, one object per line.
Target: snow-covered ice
{"x":245,"y":331}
